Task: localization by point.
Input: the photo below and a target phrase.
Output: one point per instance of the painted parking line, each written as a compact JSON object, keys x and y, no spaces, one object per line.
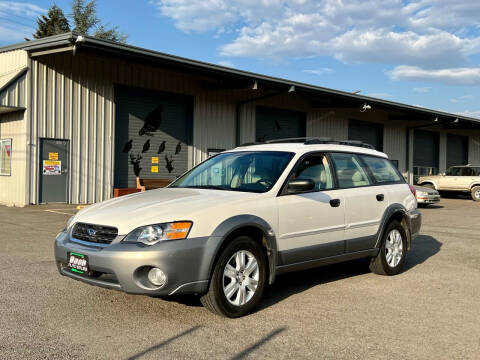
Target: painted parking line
{"x":61,"y":211}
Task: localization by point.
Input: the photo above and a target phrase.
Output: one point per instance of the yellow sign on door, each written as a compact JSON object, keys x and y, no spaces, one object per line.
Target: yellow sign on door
{"x":154,"y":169}
{"x":53,"y":156}
{"x":155,"y":160}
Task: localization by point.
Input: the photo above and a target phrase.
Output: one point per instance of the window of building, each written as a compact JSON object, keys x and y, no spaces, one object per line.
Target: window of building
{"x":6,"y":157}
{"x":315,"y":168}
{"x":382,"y":170}
{"x":350,"y":172}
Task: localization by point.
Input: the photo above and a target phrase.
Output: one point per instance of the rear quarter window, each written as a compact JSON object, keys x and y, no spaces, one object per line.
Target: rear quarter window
{"x":382,"y":170}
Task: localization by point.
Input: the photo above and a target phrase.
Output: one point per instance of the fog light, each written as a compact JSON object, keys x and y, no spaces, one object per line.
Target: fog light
{"x":157,"y":277}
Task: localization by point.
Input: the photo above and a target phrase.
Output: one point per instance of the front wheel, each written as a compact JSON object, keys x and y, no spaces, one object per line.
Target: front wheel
{"x":238,"y":279}
{"x":391,"y":257}
{"x":476,"y":193}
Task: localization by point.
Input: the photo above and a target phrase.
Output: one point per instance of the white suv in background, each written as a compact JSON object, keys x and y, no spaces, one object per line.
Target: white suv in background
{"x":227,"y":227}
{"x":456,"y":179}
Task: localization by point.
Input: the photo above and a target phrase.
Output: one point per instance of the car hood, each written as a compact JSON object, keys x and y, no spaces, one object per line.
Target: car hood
{"x":157,"y":206}
{"x":425,"y":189}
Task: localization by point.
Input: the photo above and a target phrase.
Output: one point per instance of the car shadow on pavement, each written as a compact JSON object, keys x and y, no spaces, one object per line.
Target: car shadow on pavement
{"x":423,"y":247}
{"x":286,"y":285}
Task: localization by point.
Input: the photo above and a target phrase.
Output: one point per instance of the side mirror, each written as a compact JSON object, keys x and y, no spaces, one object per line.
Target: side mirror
{"x":443,"y":174}
{"x":300,"y":185}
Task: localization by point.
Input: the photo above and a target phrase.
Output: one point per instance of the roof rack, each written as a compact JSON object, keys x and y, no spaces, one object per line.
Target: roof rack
{"x":314,"y":141}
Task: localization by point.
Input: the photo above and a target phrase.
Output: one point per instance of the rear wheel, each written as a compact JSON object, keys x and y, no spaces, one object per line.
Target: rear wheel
{"x":476,"y":193}
{"x":391,"y":257}
{"x":238,"y":279}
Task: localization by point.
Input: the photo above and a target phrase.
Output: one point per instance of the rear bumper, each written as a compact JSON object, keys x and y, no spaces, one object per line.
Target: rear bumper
{"x":124,"y":266}
{"x":414,"y":220}
{"x":430,"y":199}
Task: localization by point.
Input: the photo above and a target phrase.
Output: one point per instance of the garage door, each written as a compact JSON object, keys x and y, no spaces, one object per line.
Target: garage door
{"x":425,"y":152}
{"x":457,"y":150}
{"x":152,"y":133}
{"x":367,"y":132}
{"x":274,"y":123}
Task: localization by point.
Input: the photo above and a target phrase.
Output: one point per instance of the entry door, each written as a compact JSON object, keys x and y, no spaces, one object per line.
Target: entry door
{"x":54,"y":170}
{"x":311,"y":225}
{"x":364,"y":203}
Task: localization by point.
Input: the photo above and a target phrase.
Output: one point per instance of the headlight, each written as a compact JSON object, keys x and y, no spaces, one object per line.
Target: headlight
{"x":151,"y":234}
{"x":69,"y":223}
{"x":422,"y":193}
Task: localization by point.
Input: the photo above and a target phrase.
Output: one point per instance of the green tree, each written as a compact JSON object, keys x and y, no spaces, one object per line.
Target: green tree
{"x":54,"y":23}
{"x":85,"y":21}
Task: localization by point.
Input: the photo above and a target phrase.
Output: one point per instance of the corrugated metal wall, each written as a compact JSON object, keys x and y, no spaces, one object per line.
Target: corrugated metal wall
{"x":13,"y":125}
{"x":73,"y":98}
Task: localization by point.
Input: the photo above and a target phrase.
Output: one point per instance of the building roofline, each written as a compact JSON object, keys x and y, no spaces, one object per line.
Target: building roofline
{"x":88,"y":41}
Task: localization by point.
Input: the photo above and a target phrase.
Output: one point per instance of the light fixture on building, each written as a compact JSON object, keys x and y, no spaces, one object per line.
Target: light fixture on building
{"x":365,"y":107}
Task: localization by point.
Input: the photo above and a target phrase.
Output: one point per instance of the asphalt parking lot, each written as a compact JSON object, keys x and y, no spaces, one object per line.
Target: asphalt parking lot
{"x":431,"y":310}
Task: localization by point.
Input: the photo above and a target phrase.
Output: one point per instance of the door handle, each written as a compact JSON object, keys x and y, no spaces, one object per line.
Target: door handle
{"x":335,"y":202}
{"x":380,"y":197}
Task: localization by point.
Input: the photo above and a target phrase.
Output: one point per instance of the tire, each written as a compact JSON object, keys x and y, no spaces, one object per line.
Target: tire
{"x":383,"y":265}
{"x":236,"y":282}
{"x":476,"y":193}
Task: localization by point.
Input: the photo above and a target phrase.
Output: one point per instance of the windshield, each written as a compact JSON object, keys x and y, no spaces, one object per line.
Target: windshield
{"x":237,"y":171}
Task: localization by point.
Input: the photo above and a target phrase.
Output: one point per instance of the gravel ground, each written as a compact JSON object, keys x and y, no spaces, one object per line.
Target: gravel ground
{"x":431,"y":310}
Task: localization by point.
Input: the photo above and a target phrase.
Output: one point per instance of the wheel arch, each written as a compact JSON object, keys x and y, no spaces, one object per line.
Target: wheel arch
{"x":250,"y":225}
{"x":429,"y":182}
{"x":472,"y":185}
{"x":394,"y":212}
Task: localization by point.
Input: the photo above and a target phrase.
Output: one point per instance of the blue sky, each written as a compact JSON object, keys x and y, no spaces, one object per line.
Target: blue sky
{"x":419,"y":52}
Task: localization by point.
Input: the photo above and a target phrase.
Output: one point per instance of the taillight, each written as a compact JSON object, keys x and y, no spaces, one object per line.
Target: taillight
{"x":412,"y":189}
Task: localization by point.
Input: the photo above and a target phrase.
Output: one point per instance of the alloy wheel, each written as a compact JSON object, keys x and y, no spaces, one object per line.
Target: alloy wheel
{"x":394,"y":248}
{"x":240,"y":278}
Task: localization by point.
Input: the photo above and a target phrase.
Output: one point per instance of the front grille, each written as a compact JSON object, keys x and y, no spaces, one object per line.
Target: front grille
{"x":94,"y":233}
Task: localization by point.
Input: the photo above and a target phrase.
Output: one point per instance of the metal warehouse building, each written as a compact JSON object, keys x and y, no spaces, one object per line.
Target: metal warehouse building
{"x":80,"y":116}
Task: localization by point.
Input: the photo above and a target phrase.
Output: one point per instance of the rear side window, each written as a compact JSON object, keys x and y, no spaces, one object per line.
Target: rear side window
{"x":466,"y":171}
{"x":350,"y":171}
{"x":477,"y":171}
{"x":382,"y":170}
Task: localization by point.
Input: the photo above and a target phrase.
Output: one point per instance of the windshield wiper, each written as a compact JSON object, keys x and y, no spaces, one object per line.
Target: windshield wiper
{"x":214,"y":187}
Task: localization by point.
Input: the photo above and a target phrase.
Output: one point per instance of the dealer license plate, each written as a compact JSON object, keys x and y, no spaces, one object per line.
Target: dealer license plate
{"x":78,"y":263}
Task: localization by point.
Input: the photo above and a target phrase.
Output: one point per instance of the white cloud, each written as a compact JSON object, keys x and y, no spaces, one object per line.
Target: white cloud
{"x":422,"y":90}
{"x":379,"y":95}
{"x":426,"y":33}
{"x":461,"y":98}
{"x":464,"y":76}
{"x":20,"y":9}
{"x":468,"y":113}
{"x":320,"y":71}
{"x":17,"y":20}
{"x":226,"y":63}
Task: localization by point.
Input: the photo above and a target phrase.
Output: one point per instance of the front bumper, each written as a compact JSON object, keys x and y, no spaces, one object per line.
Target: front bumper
{"x":124,"y":266}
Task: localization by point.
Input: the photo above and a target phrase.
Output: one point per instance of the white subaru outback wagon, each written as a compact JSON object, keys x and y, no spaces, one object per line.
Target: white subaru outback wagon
{"x":227,"y":227}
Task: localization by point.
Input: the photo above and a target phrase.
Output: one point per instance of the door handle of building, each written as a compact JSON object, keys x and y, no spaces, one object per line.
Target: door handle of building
{"x":380,"y":197}
{"x":335,"y":202}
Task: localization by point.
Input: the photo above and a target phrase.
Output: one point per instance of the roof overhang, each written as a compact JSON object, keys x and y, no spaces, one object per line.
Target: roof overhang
{"x":4,"y":109}
{"x":226,"y":77}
